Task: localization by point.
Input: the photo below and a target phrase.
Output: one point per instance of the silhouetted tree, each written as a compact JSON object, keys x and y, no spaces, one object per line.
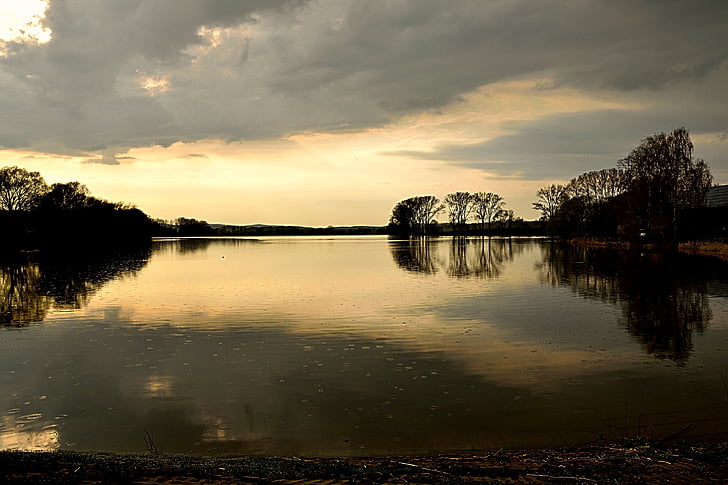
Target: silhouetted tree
{"x":415,"y":215}
{"x":550,"y":200}
{"x":426,"y":209}
{"x":486,"y":206}
{"x":193,"y":227}
{"x":588,"y":203}
{"x":402,"y":220}
{"x":20,"y":190}
{"x":67,"y":196}
{"x":506,"y":218}
{"x":597,"y":186}
{"x":459,"y":206}
{"x":662,"y":180}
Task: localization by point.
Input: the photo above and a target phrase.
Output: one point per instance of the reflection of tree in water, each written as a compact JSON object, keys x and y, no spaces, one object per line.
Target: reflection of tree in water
{"x":181,"y":245}
{"x":663,"y":297}
{"x":184,"y":246}
{"x":418,"y":254}
{"x":20,"y":299}
{"x":481,"y":257}
{"x":467,"y":257}
{"x":30,"y":286}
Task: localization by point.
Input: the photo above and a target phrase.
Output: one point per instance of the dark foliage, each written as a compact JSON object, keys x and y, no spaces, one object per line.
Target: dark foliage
{"x":645,"y":199}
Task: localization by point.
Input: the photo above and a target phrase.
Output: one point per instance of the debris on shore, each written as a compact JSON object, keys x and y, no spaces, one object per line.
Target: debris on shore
{"x":608,"y":464}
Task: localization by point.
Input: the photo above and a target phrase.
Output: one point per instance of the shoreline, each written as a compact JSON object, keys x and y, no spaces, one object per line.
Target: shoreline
{"x":626,"y":463}
{"x":718,"y":249}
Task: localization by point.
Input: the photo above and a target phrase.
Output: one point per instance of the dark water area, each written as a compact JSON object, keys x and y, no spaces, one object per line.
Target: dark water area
{"x":359,"y":346}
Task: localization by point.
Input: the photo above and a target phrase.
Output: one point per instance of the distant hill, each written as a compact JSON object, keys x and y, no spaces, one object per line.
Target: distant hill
{"x":270,"y":230}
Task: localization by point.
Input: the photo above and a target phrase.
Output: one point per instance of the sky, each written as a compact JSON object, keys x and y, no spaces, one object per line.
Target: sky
{"x":328,"y":112}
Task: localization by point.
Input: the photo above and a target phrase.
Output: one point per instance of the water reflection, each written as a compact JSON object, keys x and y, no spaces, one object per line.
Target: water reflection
{"x":663,"y":297}
{"x":193,"y":245}
{"x":20,"y":298}
{"x":465,"y":258}
{"x":31,"y":285}
{"x":331,"y":346}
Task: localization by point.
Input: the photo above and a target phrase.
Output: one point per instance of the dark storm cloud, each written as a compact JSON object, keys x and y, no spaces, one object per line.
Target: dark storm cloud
{"x":420,"y":54}
{"x":328,"y":65}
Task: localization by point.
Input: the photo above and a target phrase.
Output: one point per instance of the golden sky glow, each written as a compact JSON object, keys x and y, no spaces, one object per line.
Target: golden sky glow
{"x":21,"y":20}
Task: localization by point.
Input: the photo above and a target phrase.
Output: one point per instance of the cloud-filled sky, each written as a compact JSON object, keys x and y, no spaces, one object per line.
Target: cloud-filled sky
{"x":320,"y":112}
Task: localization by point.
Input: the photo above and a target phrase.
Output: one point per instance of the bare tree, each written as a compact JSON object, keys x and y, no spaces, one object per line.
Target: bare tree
{"x":662,"y":180}
{"x":426,"y":209}
{"x":459,"y":205}
{"x":596,"y":186}
{"x":550,"y":200}
{"x":611,"y":183}
{"x":486,"y":206}
{"x":20,"y":189}
{"x":414,"y":215}
{"x":68,"y":196}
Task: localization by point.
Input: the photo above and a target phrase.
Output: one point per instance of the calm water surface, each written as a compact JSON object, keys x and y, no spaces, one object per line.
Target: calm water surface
{"x":359,"y":346}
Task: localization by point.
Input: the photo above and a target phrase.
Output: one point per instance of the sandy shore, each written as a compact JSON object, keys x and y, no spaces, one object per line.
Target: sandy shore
{"x":607,"y":464}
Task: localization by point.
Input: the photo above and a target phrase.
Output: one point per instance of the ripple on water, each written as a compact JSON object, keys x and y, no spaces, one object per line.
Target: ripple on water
{"x":28,"y":418}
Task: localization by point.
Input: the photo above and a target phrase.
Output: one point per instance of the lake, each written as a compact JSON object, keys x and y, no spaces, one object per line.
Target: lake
{"x":359,"y":346}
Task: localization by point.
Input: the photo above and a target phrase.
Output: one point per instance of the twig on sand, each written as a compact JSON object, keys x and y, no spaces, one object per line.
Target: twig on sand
{"x":432,"y":470}
{"x":553,"y":477}
{"x":151,"y":445}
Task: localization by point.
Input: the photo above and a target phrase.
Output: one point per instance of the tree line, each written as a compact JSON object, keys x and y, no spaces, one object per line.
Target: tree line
{"x":34,"y":214}
{"x":654,"y":194}
{"x":418,"y":215}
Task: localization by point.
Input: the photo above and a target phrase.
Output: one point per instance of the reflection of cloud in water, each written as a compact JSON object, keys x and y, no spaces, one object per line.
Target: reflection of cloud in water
{"x":329,"y":348}
{"x":22,"y":433}
{"x":308,"y":289}
{"x":159,"y":386}
{"x":257,"y":391}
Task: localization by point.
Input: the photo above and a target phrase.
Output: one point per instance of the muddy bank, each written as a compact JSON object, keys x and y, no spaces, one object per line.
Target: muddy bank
{"x":610,"y":464}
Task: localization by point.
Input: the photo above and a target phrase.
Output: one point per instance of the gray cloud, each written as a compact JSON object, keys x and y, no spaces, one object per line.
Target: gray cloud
{"x":567,"y":144}
{"x":331,"y":65}
{"x":109,"y":157}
